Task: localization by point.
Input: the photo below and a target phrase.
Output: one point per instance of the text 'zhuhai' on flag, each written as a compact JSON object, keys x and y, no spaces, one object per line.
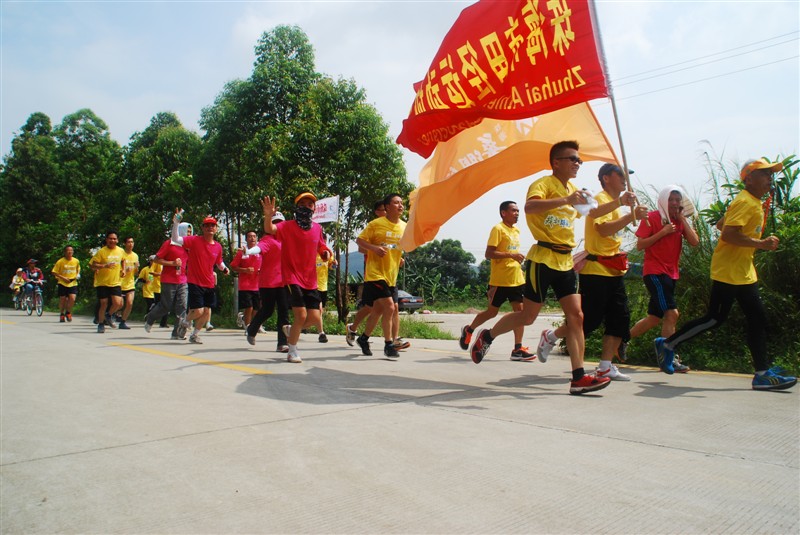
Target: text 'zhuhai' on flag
{"x":505,"y":60}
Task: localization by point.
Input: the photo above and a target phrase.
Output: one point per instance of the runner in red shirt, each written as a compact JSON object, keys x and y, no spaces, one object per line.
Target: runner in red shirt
{"x":204,"y":253}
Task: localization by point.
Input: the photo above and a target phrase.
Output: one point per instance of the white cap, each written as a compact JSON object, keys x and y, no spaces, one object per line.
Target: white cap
{"x":278,"y":217}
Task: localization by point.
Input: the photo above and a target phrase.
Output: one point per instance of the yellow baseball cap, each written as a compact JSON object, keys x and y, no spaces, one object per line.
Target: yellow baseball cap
{"x":761,"y":163}
{"x":305,"y":194}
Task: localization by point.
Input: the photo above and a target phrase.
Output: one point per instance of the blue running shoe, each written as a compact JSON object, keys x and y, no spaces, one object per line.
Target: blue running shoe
{"x":665,"y":356}
{"x":772,"y":381}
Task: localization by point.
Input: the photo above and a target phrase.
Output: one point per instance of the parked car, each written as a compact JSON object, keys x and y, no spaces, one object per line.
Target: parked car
{"x":408,"y":302}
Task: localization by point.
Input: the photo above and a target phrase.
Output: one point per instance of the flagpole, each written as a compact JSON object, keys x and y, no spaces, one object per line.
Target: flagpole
{"x":599,"y":42}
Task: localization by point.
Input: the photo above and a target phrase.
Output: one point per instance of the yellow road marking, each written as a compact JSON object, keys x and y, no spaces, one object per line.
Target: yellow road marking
{"x":8,"y":322}
{"x":206,"y":362}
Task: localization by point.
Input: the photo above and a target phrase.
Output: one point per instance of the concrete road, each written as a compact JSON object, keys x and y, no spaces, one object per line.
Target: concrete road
{"x":128,"y":432}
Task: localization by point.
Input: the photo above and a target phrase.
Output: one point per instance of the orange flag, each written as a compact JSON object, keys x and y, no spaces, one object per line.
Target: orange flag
{"x":493,"y":153}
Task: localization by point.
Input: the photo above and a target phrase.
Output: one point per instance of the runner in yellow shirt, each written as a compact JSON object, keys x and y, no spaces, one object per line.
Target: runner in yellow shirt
{"x":506,"y":281}
{"x":108,"y":264}
{"x":67,"y":271}
{"x":380,"y":239}
{"x":550,"y":212}
{"x":734,"y":278}
{"x":128,"y":281}
{"x":603,"y":296}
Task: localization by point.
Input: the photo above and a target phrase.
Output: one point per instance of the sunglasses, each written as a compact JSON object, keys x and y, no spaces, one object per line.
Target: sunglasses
{"x":573,"y":159}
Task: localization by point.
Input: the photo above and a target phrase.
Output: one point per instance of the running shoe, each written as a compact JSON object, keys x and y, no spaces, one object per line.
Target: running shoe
{"x":613,"y":373}
{"x":390,"y":351}
{"x":772,"y":381}
{"x":250,"y":339}
{"x":480,"y":347}
{"x":466,"y":338}
{"x":69,"y":316}
{"x":665,"y":356}
{"x":101,"y":328}
{"x":522,"y":355}
{"x":262,"y":330}
{"x":123,"y":326}
{"x":286,"y":330}
{"x":588,"y":383}
{"x":110,"y":322}
{"x":210,"y":327}
{"x":622,"y":351}
{"x":62,"y":318}
{"x":147,"y":327}
{"x":545,"y":346}
{"x":283,"y":349}
{"x":240,"y":320}
{"x":181,"y":331}
{"x":363,"y":343}
{"x":400,"y":344}
{"x":350,"y":335}
{"x":195,"y":339}
{"x":323,"y":338}
{"x":680,"y":367}
{"x":293,"y":357}
{"x":176,"y":337}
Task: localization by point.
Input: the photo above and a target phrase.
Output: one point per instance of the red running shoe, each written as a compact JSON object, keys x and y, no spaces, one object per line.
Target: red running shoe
{"x":588,"y":383}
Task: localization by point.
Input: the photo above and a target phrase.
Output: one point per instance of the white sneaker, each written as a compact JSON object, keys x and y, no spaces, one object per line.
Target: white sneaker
{"x":350,"y":336}
{"x":240,"y":320}
{"x":294,"y":357}
{"x":286,"y":330}
{"x":261,"y":330}
{"x":613,"y":373}
{"x":545,"y":346}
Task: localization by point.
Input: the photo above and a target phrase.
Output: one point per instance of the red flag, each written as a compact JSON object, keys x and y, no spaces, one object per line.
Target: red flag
{"x":505,"y":60}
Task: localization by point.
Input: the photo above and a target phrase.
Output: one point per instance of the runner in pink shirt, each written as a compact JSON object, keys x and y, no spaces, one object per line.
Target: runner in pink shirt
{"x":248,"y":267}
{"x":174,"y":292}
{"x":204,"y":253}
{"x":301,"y":240}
{"x":271,"y":291}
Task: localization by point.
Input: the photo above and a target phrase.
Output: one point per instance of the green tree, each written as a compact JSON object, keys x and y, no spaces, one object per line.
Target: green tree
{"x":438,"y":266}
{"x":29,"y":184}
{"x":158,"y":167}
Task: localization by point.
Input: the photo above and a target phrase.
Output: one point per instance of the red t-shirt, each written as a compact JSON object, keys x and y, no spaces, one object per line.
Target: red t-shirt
{"x":170,"y":251}
{"x":247,"y":281}
{"x":663,"y":256}
{"x":270,"y":275}
{"x":203,"y":256}
{"x":299,"y":250}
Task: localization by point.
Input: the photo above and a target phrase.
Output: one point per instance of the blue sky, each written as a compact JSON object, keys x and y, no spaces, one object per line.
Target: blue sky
{"x":128,"y":61}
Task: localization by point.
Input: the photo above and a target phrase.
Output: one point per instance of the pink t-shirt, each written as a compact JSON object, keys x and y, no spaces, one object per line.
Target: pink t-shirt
{"x":299,"y":250}
{"x":203,"y":256}
{"x":663,"y":256}
{"x":247,"y":281}
{"x":270,"y":275}
{"x":169,"y":251}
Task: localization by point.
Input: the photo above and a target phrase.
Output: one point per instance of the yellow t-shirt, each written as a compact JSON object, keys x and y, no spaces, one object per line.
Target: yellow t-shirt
{"x":554,"y":226}
{"x":505,"y":271}
{"x":602,"y":245}
{"x":733,"y":264}
{"x":148,"y":279}
{"x":69,"y":269}
{"x":128,"y":281}
{"x":383,"y":232}
{"x":155,"y":272}
{"x":322,"y":273}
{"x":109,"y":276}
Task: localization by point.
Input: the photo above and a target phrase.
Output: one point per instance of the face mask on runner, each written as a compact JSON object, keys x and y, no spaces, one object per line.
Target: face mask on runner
{"x":303,"y":217}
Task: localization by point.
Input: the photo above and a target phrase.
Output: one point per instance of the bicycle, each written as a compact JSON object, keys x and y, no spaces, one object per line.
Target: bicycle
{"x":34,"y":299}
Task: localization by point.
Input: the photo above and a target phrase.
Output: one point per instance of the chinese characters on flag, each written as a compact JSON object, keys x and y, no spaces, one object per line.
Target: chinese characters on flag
{"x":505,"y":60}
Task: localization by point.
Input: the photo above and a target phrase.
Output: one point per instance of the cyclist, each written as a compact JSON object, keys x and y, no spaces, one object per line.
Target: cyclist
{"x":67,"y":271}
{"x":33,"y":276}
{"x":17,"y":282}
